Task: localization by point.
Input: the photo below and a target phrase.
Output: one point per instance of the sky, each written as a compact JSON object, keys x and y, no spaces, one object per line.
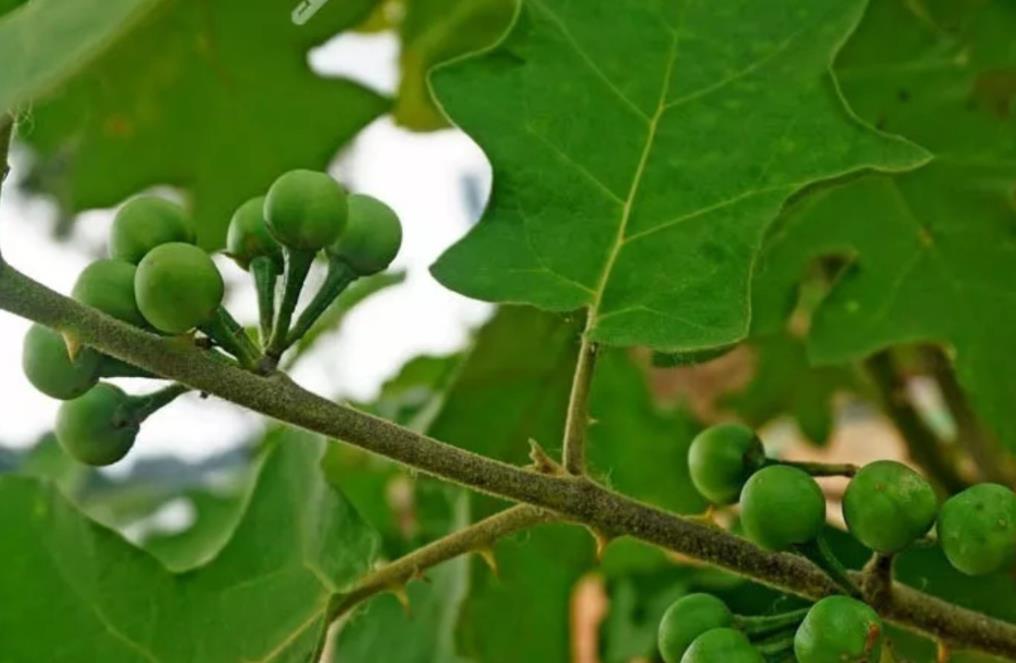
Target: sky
{"x":424,"y":177}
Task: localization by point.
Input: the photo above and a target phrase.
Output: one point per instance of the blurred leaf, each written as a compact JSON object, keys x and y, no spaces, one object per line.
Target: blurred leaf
{"x":261,"y":598}
{"x":641,"y":450}
{"x":784,"y":382}
{"x":435,"y":31}
{"x":214,"y":98}
{"x":49,"y":40}
{"x":215,"y":517}
{"x":333,"y":317}
{"x":934,"y":251}
{"x":642,"y":192}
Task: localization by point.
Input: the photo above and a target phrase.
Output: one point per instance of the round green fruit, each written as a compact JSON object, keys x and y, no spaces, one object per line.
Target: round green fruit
{"x":144,"y":223}
{"x":977,"y":529}
{"x":720,"y":460}
{"x":49,"y":368}
{"x":178,"y":287}
{"x":839,"y":629}
{"x":248,"y":235}
{"x":888,"y":506}
{"x":97,"y":428}
{"x":372,"y":236}
{"x":306,"y":210}
{"x":688,"y":618}
{"x":108,"y":285}
{"x":722,"y":644}
{"x":782,"y":506}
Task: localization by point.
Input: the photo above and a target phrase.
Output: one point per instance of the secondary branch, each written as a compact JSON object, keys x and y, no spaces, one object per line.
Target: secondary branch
{"x":574,"y":498}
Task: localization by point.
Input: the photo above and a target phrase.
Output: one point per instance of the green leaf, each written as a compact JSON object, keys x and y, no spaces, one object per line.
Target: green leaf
{"x":933,"y":252}
{"x":48,"y":40}
{"x":216,"y":99}
{"x":434,"y":31}
{"x":637,"y":162}
{"x":262,"y":598}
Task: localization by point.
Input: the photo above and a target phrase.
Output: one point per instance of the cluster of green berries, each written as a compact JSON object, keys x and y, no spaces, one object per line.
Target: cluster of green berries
{"x":700,"y":628}
{"x":887,"y":507}
{"x":159,"y":280}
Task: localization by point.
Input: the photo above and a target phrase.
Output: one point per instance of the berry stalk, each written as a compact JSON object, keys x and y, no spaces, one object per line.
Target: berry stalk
{"x":339,"y":277}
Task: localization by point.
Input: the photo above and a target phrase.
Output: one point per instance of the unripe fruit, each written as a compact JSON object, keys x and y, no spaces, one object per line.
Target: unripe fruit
{"x":145,"y":222}
{"x":977,"y":529}
{"x":248,"y":235}
{"x":108,"y":285}
{"x":720,"y":460}
{"x":782,"y":506}
{"x":688,"y":618}
{"x":888,"y":506}
{"x":97,"y":428}
{"x":724,"y":645}
{"x":839,"y":629}
{"x":49,"y":368}
{"x":178,"y":287}
{"x":306,"y":210}
{"x":372,"y":236}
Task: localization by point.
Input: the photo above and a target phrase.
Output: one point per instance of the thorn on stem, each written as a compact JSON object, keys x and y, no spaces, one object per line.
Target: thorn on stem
{"x":944,"y":654}
{"x":542,"y":463}
{"x":73,"y":345}
{"x":602,"y":541}
{"x":402,"y":596}
{"x":490,"y":559}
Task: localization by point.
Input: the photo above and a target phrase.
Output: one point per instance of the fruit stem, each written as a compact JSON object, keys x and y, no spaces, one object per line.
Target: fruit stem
{"x":265,"y":274}
{"x":763,"y":625}
{"x":297,"y":267}
{"x":338,"y":278}
{"x":142,"y":407}
{"x":818,"y":469}
{"x":230,"y":336}
{"x":819,"y":553}
{"x":775,"y":648}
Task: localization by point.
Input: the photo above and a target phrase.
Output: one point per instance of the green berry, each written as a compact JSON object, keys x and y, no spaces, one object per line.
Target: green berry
{"x":178,"y":287}
{"x":108,"y":285}
{"x":722,"y":644}
{"x":720,"y":460}
{"x":306,"y":210}
{"x":688,"y":618}
{"x":97,"y":428}
{"x":839,"y":629}
{"x":248,"y":235}
{"x":782,"y":506}
{"x":144,"y":223}
{"x":49,"y":368}
{"x":977,"y":529}
{"x":372,"y":236}
{"x":888,"y":506}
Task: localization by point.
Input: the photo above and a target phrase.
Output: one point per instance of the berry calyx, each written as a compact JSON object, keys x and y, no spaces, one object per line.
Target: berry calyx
{"x":97,"y":428}
{"x":50,"y":369}
{"x":248,"y":236}
{"x":722,"y":644}
{"x":977,"y":529}
{"x":720,"y":460}
{"x":144,"y":223}
{"x":782,"y":506}
{"x":178,"y":287}
{"x":305,"y":210}
{"x":108,"y":285}
{"x":839,"y":629}
{"x":888,"y":506}
{"x":688,"y":618}
{"x":372,"y":236}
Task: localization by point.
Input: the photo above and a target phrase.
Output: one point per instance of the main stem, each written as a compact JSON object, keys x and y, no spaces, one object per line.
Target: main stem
{"x":573,"y":498}
{"x":577,"y":420}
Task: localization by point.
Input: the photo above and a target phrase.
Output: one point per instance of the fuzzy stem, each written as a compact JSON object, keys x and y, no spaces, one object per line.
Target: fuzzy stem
{"x":142,"y":407}
{"x":818,"y":469}
{"x":339,"y":276}
{"x":265,"y":274}
{"x":573,"y":498}
{"x":298,"y":265}
{"x":469,"y":539}
{"x":114,"y":368}
{"x":577,"y":419}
